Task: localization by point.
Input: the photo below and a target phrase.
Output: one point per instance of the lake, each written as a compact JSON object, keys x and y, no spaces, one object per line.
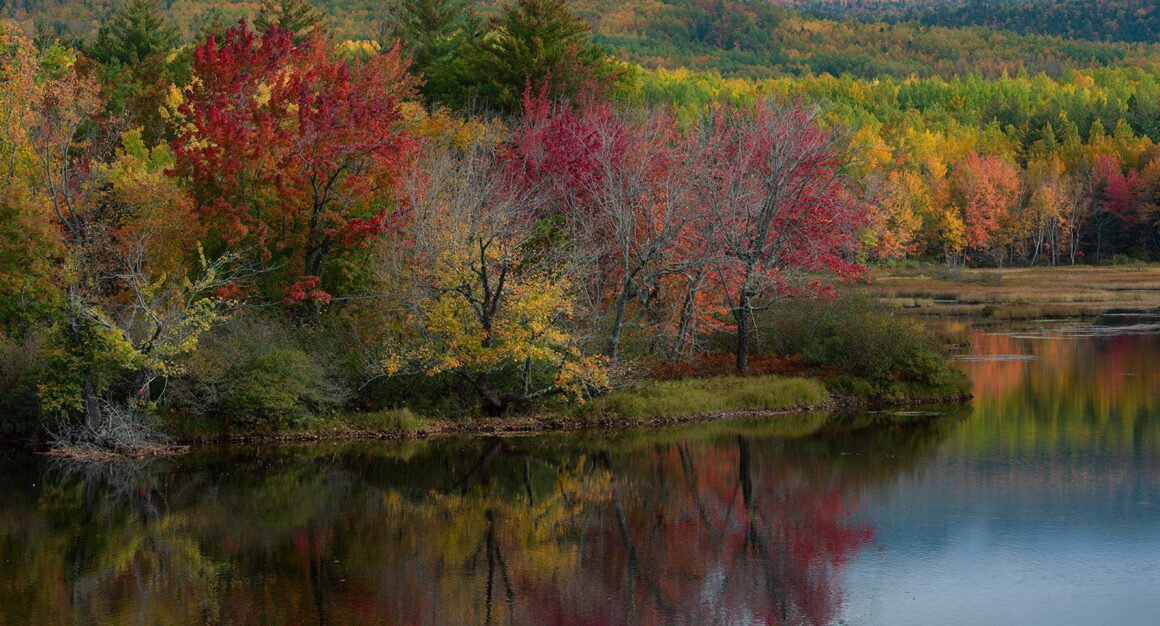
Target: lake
{"x":1039,"y":503}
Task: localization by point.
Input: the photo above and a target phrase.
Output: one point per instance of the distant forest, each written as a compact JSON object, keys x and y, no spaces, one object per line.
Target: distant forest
{"x":1094,"y":20}
{"x":751,"y":39}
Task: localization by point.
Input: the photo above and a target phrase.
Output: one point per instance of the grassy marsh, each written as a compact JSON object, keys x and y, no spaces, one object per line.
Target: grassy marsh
{"x":1019,"y":293}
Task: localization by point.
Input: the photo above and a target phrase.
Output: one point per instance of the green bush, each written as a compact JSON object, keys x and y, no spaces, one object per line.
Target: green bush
{"x":438,"y":395}
{"x":278,"y":385}
{"x":263,"y":371}
{"x":856,"y":337}
{"x":20,"y":363}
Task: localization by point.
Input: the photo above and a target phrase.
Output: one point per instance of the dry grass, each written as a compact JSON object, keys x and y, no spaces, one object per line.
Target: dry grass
{"x":1020,"y":293}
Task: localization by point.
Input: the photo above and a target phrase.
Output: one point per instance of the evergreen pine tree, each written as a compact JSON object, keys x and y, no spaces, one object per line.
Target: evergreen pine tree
{"x":297,"y":16}
{"x":133,"y":34}
{"x":437,"y":35}
{"x":537,"y":44}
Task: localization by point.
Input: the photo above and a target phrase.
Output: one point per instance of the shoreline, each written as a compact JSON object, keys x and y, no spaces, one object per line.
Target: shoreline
{"x":487,"y":427}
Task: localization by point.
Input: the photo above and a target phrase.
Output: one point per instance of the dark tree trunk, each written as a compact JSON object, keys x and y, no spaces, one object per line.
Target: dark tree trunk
{"x":617,"y":324}
{"x":92,"y":406}
{"x":494,"y":404}
{"x":742,"y":314}
{"x":315,"y":258}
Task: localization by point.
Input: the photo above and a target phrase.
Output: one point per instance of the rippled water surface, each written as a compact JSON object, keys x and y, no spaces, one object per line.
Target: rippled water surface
{"x":1038,"y":504}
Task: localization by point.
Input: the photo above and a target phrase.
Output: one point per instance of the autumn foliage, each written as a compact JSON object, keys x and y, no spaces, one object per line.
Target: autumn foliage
{"x":292,"y":150}
{"x":295,"y":219}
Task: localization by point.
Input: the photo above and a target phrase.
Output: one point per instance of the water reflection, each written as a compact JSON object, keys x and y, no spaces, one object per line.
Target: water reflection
{"x":743,"y":522}
{"x":1041,"y":506}
{"x":1039,"y":509}
{"x":1096,"y":392}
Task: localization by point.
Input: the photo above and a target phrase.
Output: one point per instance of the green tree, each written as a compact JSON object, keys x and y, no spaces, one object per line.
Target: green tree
{"x":134,"y":34}
{"x":135,"y":74}
{"x":538,"y":45}
{"x":297,"y":16}
{"x":437,"y":35}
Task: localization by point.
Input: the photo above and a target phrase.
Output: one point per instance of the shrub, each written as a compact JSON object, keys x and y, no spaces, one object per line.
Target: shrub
{"x":262,"y":370}
{"x":280,"y":384}
{"x":856,"y":336}
{"x":441,"y":395}
{"x":20,"y":362}
{"x":124,"y":430}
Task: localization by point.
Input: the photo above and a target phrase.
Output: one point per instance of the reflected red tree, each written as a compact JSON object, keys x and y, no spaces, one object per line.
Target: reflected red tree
{"x":708,"y":530}
{"x":711,"y":534}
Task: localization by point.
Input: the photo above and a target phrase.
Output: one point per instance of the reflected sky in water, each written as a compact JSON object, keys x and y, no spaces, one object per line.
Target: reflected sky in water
{"x":1039,"y":504}
{"x":1043,"y":507}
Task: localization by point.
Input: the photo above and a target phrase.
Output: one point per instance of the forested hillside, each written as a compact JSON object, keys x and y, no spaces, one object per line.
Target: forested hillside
{"x":1095,"y":20}
{"x":735,"y":37}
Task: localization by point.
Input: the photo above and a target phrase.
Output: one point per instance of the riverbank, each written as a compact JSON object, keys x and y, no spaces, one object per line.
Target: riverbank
{"x":1019,"y":293}
{"x":809,"y":355}
{"x":646,"y":405}
{"x":651,"y":404}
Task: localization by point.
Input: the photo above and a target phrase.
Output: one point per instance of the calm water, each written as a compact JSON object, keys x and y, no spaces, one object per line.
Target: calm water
{"x":1039,"y":504}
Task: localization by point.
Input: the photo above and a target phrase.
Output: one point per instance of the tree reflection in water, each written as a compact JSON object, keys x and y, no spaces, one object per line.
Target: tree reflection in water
{"x":714,"y":523}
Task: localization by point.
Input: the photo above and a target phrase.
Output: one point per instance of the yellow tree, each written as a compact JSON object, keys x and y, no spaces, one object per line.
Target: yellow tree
{"x":30,"y":250}
{"x":1051,"y":197}
{"x":898,"y":205}
{"x":480,"y":297}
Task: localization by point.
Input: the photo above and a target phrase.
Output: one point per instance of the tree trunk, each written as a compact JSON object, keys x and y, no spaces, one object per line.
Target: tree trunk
{"x":741,"y":314}
{"x":688,"y":308}
{"x":92,"y":406}
{"x":617,"y":324}
{"x":493,"y":404}
{"x":315,"y":258}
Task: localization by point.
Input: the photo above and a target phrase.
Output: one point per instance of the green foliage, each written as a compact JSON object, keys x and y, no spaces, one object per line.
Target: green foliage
{"x":1122,"y":20}
{"x":83,"y":357}
{"x":21,"y":362}
{"x":135,"y":68}
{"x":438,"y":35}
{"x":443,"y":395}
{"x":852,"y":335}
{"x":539,"y":45}
{"x":277,"y":385}
{"x":29,"y":254}
{"x":297,"y":16}
{"x":132,"y":35}
{"x":260,"y":370}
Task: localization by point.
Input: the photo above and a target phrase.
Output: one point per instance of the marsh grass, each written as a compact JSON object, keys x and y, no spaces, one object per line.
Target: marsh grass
{"x":1018,"y":293}
{"x":387,"y":420}
{"x":706,"y":396}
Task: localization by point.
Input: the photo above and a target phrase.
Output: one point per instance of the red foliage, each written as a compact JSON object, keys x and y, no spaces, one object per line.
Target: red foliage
{"x":559,"y":149}
{"x":305,"y":289}
{"x":1120,"y":196}
{"x":289,"y":147}
{"x":986,"y":189}
{"x":775,"y":188}
{"x":622,"y":185}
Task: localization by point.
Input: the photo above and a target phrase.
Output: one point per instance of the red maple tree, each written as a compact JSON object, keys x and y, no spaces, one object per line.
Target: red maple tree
{"x":292,"y":149}
{"x":781,"y":209}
